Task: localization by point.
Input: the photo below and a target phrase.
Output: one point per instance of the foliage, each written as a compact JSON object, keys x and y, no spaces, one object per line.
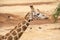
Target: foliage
{"x":57,"y":13}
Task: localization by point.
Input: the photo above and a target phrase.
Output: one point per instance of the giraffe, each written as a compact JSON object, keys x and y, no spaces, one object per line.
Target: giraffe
{"x":35,"y":15}
{"x":17,"y":32}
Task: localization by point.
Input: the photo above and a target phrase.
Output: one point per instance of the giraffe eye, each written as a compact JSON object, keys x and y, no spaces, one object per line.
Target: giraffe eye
{"x":37,"y":14}
{"x":43,"y":15}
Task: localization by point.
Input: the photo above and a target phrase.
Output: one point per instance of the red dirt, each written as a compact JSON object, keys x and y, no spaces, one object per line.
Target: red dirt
{"x":6,"y":22}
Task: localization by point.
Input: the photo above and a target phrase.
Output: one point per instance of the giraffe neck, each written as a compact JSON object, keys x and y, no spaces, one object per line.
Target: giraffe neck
{"x":16,"y":33}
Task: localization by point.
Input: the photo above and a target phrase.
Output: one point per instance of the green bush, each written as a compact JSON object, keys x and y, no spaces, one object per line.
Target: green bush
{"x":57,"y":13}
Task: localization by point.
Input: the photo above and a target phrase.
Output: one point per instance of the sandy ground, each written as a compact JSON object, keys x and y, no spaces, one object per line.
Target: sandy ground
{"x":23,"y":10}
{"x":45,"y":33}
{"x":37,"y":32}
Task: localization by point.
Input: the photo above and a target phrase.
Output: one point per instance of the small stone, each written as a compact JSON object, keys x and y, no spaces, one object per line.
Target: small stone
{"x":30,"y":28}
{"x":39,"y":27}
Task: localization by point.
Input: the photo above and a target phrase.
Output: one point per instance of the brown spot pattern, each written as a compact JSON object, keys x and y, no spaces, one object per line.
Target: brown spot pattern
{"x":15,"y":38}
{"x":14,"y":33}
{"x":10,"y":38}
{"x":24,"y":28}
{"x":19,"y":29}
{"x":19,"y":35}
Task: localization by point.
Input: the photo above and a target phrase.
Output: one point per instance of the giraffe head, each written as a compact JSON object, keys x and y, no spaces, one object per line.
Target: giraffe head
{"x":36,"y":15}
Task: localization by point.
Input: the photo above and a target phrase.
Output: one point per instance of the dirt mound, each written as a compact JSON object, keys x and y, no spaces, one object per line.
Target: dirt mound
{"x":9,"y":19}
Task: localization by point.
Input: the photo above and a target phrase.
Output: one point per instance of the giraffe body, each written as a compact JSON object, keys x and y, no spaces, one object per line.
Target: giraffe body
{"x":16,"y":33}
